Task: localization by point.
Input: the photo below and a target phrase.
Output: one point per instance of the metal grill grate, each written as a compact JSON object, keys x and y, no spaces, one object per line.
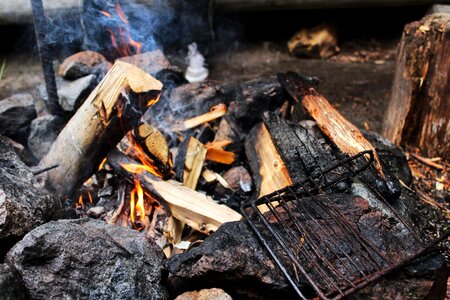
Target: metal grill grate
{"x":312,"y":241}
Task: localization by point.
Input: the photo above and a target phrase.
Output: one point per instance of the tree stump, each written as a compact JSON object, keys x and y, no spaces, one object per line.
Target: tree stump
{"x":418,"y":114}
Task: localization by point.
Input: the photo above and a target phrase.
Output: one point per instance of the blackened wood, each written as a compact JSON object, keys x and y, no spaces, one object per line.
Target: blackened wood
{"x":302,"y":153}
{"x":418,"y":114}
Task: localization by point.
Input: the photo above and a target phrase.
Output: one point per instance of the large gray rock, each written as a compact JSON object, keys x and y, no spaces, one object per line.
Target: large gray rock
{"x":43,"y":132}
{"x":16,"y":114}
{"x":88,"y":259}
{"x":11,"y":287}
{"x":73,"y":93}
{"x":23,"y":203}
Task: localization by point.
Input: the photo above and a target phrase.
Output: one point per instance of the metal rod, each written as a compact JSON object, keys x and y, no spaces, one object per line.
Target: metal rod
{"x":41,"y":29}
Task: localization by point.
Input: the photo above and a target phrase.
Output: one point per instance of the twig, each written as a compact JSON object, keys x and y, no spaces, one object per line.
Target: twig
{"x":427,"y":161}
{"x":39,"y":170}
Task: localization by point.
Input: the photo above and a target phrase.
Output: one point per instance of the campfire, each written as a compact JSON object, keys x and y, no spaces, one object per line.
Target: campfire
{"x":162,"y":184}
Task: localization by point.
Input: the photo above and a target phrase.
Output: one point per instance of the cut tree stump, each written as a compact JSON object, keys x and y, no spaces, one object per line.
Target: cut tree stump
{"x":113,"y":108}
{"x":418,"y":114}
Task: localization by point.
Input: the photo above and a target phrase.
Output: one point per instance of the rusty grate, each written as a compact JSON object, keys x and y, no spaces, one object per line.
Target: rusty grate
{"x":312,"y":242}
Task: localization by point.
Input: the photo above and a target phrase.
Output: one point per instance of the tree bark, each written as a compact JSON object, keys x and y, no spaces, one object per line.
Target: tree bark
{"x":418,"y":114}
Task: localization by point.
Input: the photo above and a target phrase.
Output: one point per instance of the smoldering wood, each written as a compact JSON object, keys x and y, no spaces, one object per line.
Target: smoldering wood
{"x":302,"y":153}
{"x":191,"y":207}
{"x":114,"y":107}
{"x":418,"y":114}
{"x":344,"y":134}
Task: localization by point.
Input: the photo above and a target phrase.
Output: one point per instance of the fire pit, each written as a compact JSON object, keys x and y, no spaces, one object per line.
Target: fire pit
{"x":135,"y":175}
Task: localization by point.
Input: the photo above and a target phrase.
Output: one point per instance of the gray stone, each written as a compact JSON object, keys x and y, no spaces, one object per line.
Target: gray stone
{"x":23,"y":203}
{"x":16,"y":114}
{"x":231,"y":258}
{"x":43,"y":133}
{"x":73,"y":93}
{"x":88,"y":259}
{"x":11,"y":287}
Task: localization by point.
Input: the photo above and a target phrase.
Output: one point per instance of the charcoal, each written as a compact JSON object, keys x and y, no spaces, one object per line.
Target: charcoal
{"x":23,"y":204}
{"x":171,"y":78}
{"x":73,"y":93}
{"x":11,"y":286}
{"x":16,"y":114}
{"x":231,"y":258}
{"x":43,"y":132}
{"x":253,"y":98}
{"x":88,"y":259}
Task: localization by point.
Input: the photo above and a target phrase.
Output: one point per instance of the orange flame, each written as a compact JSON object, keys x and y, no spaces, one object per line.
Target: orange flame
{"x":137,"y":209}
{"x":122,"y":41}
{"x":80,"y":202}
{"x":134,"y":149}
{"x":90,"y":197}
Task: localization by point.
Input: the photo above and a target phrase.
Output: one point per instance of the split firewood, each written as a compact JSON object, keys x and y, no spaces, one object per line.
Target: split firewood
{"x":112,"y":109}
{"x":269,"y":170}
{"x":216,"y":112}
{"x":344,"y":134}
{"x":195,"y":209}
{"x":189,"y":161}
{"x":418,"y":114}
{"x":211,"y":176}
{"x":217,"y":154}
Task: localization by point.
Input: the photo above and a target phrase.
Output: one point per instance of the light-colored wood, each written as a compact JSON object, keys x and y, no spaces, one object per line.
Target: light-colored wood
{"x":266,"y":161}
{"x":195,"y":158}
{"x":216,"y":111}
{"x":195,"y":209}
{"x":344,"y":134}
{"x":98,"y":125}
{"x":418,"y":114}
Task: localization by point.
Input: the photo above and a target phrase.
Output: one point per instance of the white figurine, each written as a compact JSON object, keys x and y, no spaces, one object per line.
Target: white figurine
{"x":196,"y":70}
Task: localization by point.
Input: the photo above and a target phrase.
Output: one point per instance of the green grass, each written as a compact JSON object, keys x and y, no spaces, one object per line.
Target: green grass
{"x":2,"y":68}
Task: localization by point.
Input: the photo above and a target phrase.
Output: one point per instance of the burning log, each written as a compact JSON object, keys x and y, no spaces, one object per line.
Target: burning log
{"x":114,"y":107}
{"x":193,"y":208}
{"x":418,"y":114}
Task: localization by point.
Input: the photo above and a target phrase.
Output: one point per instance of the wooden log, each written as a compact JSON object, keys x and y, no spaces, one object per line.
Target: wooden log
{"x":269,"y":171}
{"x":195,"y":209}
{"x":418,"y":114}
{"x":344,"y":134}
{"x":113,"y":108}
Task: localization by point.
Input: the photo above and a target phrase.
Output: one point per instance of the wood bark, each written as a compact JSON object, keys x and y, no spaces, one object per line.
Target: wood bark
{"x":113,"y":108}
{"x":418,"y":114}
{"x":195,"y":209}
